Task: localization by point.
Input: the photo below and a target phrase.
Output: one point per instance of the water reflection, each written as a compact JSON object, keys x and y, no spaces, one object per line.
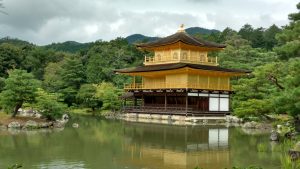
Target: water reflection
{"x":108,"y":144}
{"x":163,"y":146}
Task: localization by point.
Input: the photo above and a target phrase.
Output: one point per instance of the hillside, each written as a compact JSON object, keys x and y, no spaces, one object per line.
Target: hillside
{"x":138,"y":38}
{"x":68,"y":46}
{"x":14,"y":41}
{"x":199,"y":30}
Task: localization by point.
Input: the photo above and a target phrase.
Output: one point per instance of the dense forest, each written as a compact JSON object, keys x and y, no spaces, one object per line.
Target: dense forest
{"x":54,"y":77}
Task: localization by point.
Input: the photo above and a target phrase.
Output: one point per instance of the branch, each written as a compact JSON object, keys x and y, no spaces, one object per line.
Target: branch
{"x":274,"y":80}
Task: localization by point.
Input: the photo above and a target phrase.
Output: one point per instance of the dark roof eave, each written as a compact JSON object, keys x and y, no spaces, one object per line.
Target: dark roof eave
{"x":154,"y":68}
{"x":220,"y":46}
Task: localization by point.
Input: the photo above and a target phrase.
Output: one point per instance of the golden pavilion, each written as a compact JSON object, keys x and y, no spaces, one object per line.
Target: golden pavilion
{"x":180,"y":79}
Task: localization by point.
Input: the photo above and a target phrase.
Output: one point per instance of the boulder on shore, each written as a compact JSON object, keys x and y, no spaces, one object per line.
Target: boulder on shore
{"x":45,"y":124}
{"x":233,"y":119}
{"x":295,"y":152}
{"x":75,"y":125}
{"x":30,"y":124}
{"x":250,"y":125}
{"x":58,"y":124}
{"x":274,"y":136}
{"x":14,"y":124}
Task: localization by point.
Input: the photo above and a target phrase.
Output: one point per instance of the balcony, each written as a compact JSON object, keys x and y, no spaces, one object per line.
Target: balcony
{"x":157,"y":86}
{"x":213,"y":61}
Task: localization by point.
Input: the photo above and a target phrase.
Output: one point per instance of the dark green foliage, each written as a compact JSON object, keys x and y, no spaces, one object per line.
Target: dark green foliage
{"x":239,"y":54}
{"x":269,"y":36}
{"x":48,"y":105}
{"x":288,"y":39}
{"x":295,"y":16}
{"x":14,"y":42}
{"x":69,"y":46}
{"x":288,"y":100}
{"x":20,"y":87}
{"x":10,"y":57}
{"x":72,"y":76}
{"x":73,"y":73}
{"x":36,"y":60}
{"x":2,"y":84}
{"x":105,"y":57}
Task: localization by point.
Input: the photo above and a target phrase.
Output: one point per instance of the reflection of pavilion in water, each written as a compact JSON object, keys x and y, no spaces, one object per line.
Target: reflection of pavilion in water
{"x":163,"y":146}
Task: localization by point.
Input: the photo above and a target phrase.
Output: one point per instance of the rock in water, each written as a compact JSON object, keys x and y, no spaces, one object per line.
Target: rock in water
{"x":274,"y":136}
{"x":250,"y":125}
{"x":45,"y":124}
{"x":295,"y":152}
{"x":75,"y":125}
{"x":58,"y":124}
{"x":31,"y":125}
{"x":3,"y":127}
{"x":14,"y":124}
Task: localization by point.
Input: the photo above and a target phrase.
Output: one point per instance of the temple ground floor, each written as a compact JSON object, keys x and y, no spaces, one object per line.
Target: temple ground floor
{"x":177,"y":102}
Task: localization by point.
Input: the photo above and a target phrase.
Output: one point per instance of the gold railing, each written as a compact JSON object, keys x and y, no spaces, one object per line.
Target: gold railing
{"x":208,"y":86}
{"x":195,"y":60}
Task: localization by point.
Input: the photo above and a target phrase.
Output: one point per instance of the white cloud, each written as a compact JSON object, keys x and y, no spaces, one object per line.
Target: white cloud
{"x":46,"y":21}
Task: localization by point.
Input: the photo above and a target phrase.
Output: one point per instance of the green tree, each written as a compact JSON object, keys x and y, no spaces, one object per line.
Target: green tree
{"x":269,"y":36}
{"x":73,"y":75}
{"x":10,"y":58}
{"x":239,"y":54}
{"x":288,"y":100}
{"x":87,"y":96}
{"x":48,"y":105}
{"x":52,"y":77}
{"x":105,"y":57}
{"x":226,"y":34}
{"x":246,"y":32}
{"x":288,"y":39}
{"x":109,"y":95}
{"x":20,"y":87}
{"x":36,"y":59}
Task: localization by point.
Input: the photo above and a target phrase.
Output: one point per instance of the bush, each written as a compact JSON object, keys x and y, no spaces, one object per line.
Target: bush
{"x":48,"y":105}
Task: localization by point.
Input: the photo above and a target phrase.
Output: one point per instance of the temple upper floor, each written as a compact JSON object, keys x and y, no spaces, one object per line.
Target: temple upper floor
{"x":181,"y":48}
{"x":180,"y":56}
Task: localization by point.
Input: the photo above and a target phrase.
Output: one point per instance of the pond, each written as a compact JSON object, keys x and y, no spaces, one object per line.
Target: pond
{"x":112,"y":144}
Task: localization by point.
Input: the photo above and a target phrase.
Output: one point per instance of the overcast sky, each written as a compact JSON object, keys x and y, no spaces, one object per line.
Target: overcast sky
{"x":47,"y":21}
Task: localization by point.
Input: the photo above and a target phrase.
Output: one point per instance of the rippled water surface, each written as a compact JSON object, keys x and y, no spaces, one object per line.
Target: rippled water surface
{"x":110,"y":144}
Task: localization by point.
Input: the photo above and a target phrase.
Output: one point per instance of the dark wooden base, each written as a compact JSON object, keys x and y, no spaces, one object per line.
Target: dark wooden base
{"x":182,"y":111}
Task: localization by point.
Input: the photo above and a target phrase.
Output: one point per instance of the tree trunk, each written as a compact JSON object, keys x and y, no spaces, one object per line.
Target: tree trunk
{"x":297,"y":124}
{"x":15,"y":112}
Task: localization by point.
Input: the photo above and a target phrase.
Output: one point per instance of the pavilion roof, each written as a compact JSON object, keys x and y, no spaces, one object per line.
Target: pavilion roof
{"x":161,"y":67}
{"x":183,"y":37}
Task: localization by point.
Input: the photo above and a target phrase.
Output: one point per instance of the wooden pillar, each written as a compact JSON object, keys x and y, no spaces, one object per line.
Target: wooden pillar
{"x":143,"y":100}
{"x":134,"y":82}
{"x":165,"y":100}
{"x":186,"y":103}
{"x":135,"y":102}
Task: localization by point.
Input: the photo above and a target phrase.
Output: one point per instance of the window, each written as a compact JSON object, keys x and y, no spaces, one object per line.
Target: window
{"x":202,"y":57}
{"x":175,"y":56}
{"x":158,"y":57}
{"x":184,"y":56}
